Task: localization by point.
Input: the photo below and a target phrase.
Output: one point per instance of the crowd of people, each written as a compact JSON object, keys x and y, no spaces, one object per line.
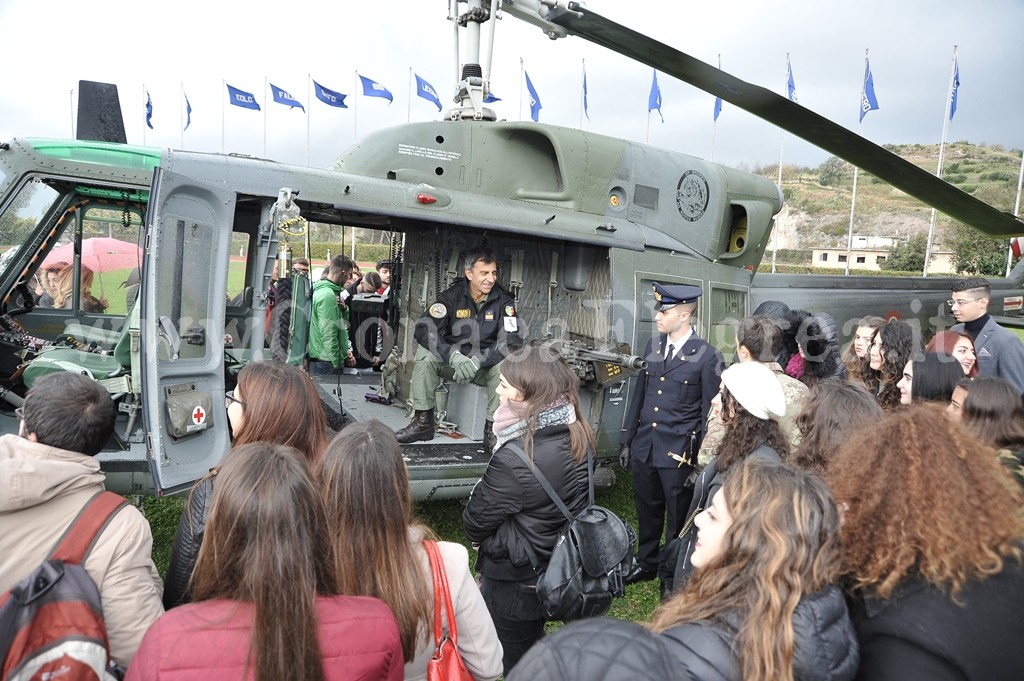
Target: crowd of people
{"x":830,"y":513}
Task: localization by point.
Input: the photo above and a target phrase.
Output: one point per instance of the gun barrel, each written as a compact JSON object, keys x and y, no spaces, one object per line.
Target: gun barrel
{"x":634,"y":362}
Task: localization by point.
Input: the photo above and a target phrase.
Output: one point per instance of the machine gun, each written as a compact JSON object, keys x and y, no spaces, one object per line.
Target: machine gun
{"x":599,"y":368}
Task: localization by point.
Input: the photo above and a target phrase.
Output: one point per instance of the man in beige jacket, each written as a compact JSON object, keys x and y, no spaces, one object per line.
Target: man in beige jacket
{"x":47,"y":474}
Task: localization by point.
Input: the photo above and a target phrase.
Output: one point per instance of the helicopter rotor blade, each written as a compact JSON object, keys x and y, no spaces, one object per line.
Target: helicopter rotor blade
{"x":791,"y":117}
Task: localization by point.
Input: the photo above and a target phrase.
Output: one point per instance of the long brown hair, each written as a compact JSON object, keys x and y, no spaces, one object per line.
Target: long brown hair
{"x":921,"y":494}
{"x":833,"y":411}
{"x":267,"y":544}
{"x":745,"y":432}
{"x":783,"y":544}
{"x":856,"y":368}
{"x":366,"y":490}
{"x":281,"y":405}
{"x":541,"y":376}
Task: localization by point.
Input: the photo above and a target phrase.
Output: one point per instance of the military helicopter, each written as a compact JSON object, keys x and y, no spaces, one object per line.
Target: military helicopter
{"x":583,"y":225}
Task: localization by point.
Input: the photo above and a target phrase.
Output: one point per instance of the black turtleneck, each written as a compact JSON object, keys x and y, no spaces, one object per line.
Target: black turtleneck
{"x":974,"y":328}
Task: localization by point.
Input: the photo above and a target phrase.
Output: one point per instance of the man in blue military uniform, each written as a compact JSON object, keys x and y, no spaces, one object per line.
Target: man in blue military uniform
{"x":463,"y":336}
{"x":665,"y":422}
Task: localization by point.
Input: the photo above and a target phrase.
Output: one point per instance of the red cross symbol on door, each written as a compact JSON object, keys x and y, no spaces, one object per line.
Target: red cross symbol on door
{"x":198,"y":415}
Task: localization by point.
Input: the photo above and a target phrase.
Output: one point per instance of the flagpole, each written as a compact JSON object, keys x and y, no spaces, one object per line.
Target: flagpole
{"x":583,"y":92}
{"x":144,"y":121}
{"x":265,"y":107}
{"x":355,"y":106}
{"x":521,"y":76}
{"x":309,"y":98}
{"x":408,"y":108}
{"x":71,"y":104}
{"x":942,"y":150}
{"x":782,"y":140}
{"x":181,"y":117}
{"x":1016,"y":212}
{"x":223,"y":87}
{"x":714,"y":124}
{"x":856,"y":171}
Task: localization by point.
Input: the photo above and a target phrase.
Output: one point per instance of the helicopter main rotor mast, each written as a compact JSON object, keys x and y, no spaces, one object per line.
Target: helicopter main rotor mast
{"x":474,"y":79}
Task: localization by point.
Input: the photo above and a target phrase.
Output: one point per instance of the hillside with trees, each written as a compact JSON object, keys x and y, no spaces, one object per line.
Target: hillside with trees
{"x":817,"y":210}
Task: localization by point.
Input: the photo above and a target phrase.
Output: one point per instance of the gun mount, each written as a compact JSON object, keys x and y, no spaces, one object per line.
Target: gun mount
{"x":597,"y":369}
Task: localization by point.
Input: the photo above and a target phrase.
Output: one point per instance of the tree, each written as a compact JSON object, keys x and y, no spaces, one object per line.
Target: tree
{"x":974,"y":253}
{"x":831,"y":171}
{"x":907,"y":256}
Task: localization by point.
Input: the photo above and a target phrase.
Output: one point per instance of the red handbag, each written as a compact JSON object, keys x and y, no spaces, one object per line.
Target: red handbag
{"x":446,"y":664}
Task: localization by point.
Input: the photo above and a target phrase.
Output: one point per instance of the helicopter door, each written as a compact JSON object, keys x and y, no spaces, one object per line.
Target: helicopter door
{"x":182,"y":340}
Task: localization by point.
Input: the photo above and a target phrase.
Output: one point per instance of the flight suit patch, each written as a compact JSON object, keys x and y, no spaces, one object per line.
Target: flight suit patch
{"x":510,"y":311}
{"x":488,"y":316}
{"x":464,"y":313}
{"x":511,"y":324}
{"x":438,"y":311}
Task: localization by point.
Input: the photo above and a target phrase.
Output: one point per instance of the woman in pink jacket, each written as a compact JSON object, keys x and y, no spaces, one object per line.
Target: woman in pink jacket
{"x":263,"y":588}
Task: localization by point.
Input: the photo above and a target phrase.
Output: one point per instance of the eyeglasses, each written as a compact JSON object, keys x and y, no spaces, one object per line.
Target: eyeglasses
{"x":960,"y":302}
{"x":229,"y":397}
{"x":20,"y":413}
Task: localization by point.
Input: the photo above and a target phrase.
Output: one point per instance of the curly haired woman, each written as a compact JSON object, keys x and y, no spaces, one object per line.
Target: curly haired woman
{"x":932,"y":536}
{"x":894,"y":344}
{"x":763,"y":605}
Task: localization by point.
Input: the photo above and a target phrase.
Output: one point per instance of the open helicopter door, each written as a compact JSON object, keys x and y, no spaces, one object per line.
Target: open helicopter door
{"x":183,"y":303}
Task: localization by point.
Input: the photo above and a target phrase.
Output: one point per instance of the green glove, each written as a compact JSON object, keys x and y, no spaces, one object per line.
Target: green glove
{"x":465,"y":368}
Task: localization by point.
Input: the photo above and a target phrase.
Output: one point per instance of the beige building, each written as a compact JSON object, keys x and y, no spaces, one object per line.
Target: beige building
{"x":872,"y":259}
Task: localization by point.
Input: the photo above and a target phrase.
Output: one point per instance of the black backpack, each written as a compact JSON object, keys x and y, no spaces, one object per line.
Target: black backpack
{"x":51,"y":623}
{"x":590,"y":560}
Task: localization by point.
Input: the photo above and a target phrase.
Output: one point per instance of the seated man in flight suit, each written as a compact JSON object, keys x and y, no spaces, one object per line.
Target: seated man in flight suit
{"x":463,"y":336}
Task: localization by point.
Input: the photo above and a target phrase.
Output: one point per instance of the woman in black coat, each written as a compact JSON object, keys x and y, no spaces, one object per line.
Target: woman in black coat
{"x":509,"y":515}
{"x":932,"y":535}
{"x":762,"y":604}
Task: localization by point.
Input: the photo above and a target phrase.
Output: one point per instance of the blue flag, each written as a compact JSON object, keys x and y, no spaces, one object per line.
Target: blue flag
{"x":718,"y":107}
{"x":329,"y":97}
{"x":427,"y":92}
{"x":149,"y":111}
{"x":790,"y":84}
{"x":868,"y":102}
{"x":587,"y":113}
{"x":282,"y":97}
{"x":188,"y":113}
{"x":654,"y":99}
{"x":956,"y":89}
{"x":372,"y":88}
{"x":242,"y":98}
{"x":490,"y":98}
{"x":535,"y":105}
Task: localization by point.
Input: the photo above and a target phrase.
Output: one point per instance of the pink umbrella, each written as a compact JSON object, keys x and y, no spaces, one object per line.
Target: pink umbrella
{"x":100,"y":254}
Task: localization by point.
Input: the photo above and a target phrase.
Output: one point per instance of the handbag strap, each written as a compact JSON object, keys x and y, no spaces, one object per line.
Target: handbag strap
{"x":547,"y":485}
{"x":441,"y":594}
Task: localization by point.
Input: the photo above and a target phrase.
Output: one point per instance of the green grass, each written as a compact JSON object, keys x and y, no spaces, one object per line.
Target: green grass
{"x":445,"y":519}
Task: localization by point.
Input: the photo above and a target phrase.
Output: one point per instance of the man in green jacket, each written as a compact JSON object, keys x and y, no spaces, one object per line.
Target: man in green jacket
{"x":329,"y":348}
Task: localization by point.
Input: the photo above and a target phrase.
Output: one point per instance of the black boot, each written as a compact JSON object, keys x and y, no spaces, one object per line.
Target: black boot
{"x":489,"y":439}
{"x":420,"y":428}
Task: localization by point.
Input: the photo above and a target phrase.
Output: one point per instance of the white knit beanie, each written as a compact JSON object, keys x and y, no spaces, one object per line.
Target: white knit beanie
{"x":756,"y":388}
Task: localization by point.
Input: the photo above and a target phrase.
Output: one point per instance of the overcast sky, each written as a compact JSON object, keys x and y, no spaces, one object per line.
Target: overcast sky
{"x":163,"y":47}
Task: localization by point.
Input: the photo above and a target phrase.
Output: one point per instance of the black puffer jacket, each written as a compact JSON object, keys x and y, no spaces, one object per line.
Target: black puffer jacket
{"x":598,"y":649}
{"x":187,"y":541}
{"x":826,"y":644}
{"x":508,"y":506}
